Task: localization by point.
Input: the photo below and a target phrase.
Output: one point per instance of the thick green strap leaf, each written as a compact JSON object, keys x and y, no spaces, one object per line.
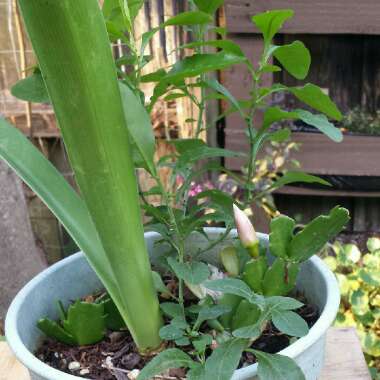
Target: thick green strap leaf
{"x":281,"y":234}
{"x":31,"y":89}
{"x":270,"y":22}
{"x":44,"y":179}
{"x":321,"y":122}
{"x":171,"y":358}
{"x":290,"y":323}
{"x":275,"y":367}
{"x":314,"y":97}
{"x":317,"y":233}
{"x":85,"y":322}
{"x":139,"y":126}
{"x":224,"y":360}
{"x":295,"y":58}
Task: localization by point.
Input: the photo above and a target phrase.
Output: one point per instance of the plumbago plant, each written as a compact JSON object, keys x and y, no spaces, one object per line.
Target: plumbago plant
{"x":104,"y":119}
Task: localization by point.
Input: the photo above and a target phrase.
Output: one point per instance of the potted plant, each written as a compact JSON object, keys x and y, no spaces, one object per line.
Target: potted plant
{"x":219,"y":289}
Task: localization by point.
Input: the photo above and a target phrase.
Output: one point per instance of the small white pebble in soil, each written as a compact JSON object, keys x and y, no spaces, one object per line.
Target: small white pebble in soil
{"x":74,"y":366}
{"x":108,"y":362}
{"x":84,"y":371}
{"x":133,"y":374}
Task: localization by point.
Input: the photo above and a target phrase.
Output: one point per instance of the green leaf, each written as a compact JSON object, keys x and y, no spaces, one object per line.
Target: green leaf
{"x":246,"y":314}
{"x":42,"y":177}
{"x":224,"y":360}
{"x":295,"y":58}
{"x":275,"y":367}
{"x":159,"y":284}
{"x":234,"y":286}
{"x":321,"y":122}
{"x":204,"y":152}
{"x":292,"y":177}
{"x":317,"y":233}
{"x":280,"y":278}
{"x":171,"y":358}
{"x":226,"y":45}
{"x":275,"y":114}
{"x":282,"y":303}
{"x":171,"y":332}
{"x":252,"y":332}
{"x":172,"y":309}
{"x":230,"y":260}
{"x":254,"y":271}
{"x":290,"y":323}
{"x":184,"y":145}
{"x":153,"y":77}
{"x":31,"y":89}
{"x":85,"y":322}
{"x":215,"y":85}
{"x":201,"y":343}
{"x":113,"y":319}
{"x":280,"y":136}
{"x":373,"y":244}
{"x":211,"y":312}
{"x":53,"y":330}
{"x":139,"y":126}
{"x":199,"y":64}
{"x":281,"y":234}
{"x":270,"y":22}
{"x":232,"y":301}
{"x":314,"y":97}
{"x":194,"y":272}
{"x":208,"y":6}
{"x":189,"y":18}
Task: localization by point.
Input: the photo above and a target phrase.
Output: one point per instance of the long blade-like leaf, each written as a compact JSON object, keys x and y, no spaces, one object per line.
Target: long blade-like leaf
{"x":72,"y":46}
{"x":42,"y":177}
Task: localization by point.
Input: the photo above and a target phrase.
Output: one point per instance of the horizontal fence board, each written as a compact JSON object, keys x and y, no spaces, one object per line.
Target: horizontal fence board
{"x":356,"y":155}
{"x":318,"y":16}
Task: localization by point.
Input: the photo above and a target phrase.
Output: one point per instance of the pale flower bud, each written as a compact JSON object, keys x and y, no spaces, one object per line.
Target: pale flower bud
{"x":246,"y":232}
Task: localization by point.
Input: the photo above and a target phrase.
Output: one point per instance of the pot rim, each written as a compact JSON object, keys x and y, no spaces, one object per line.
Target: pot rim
{"x":30,"y":361}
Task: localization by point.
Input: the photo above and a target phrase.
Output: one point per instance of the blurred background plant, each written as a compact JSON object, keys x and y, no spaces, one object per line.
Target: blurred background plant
{"x":358,"y":274}
{"x":359,"y":121}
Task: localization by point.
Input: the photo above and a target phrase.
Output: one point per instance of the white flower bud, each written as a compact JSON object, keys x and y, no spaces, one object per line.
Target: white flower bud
{"x":246,"y":232}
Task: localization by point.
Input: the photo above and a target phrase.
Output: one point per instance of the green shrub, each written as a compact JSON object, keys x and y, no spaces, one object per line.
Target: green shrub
{"x":358,"y":275}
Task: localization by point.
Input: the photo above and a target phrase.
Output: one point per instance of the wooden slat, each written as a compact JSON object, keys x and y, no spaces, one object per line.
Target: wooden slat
{"x":344,"y":357}
{"x":10,"y":368}
{"x":356,"y":155}
{"x":340,"y":364}
{"x":317,"y":16}
{"x":292,"y":190}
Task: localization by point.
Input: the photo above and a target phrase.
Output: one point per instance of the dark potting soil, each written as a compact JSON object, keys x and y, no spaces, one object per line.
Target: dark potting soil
{"x":116,"y":356}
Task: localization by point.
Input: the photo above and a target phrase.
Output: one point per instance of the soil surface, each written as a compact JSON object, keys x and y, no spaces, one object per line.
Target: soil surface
{"x":116,"y":357}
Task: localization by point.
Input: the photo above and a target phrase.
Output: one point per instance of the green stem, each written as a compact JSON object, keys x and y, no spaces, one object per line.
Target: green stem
{"x":71,"y":43}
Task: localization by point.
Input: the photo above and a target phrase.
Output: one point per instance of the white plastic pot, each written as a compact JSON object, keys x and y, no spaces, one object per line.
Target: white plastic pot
{"x":72,"y":278}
